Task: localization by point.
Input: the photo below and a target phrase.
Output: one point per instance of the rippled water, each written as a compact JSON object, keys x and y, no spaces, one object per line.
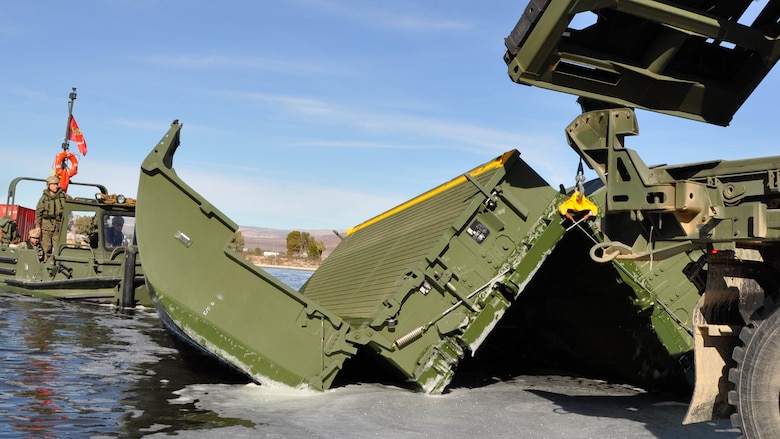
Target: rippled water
{"x":292,"y":277}
{"x":70,"y":370}
{"x":75,"y":370}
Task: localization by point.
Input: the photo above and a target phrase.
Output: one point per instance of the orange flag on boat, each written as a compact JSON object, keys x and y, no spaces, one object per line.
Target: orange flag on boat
{"x":76,"y":136}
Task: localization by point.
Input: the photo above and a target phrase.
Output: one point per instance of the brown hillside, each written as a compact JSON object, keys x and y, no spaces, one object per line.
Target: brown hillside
{"x":275,"y":240}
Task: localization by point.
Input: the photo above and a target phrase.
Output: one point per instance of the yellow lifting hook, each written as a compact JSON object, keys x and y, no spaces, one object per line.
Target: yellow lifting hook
{"x":578,"y":202}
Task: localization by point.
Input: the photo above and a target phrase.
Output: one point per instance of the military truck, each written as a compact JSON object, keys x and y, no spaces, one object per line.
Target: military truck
{"x":689,"y":252}
{"x":700,"y":60}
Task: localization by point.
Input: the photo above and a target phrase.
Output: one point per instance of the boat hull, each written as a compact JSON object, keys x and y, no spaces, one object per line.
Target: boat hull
{"x":96,"y":289}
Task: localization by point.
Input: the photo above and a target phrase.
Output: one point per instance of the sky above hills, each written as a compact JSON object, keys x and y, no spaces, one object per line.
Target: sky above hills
{"x":309,"y":114}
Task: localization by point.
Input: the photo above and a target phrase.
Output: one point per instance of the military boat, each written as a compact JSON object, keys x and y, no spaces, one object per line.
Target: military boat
{"x":418,"y":288}
{"x":85,"y":265}
{"x":94,"y":257}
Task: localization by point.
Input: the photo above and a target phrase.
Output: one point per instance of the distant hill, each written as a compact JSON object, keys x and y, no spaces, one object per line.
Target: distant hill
{"x":275,"y":240}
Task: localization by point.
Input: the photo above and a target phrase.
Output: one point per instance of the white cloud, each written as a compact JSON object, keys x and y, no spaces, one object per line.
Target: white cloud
{"x":284,"y":203}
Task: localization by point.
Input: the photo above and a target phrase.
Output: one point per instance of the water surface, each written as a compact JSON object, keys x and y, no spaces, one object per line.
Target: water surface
{"x":71,"y":370}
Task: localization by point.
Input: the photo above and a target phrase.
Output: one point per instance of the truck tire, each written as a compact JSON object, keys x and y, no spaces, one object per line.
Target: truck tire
{"x":756,"y":377}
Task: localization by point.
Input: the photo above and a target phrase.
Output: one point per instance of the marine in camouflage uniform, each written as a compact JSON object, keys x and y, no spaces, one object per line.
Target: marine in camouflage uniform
{"x":48,"y":214}
{"x":34,"y":243}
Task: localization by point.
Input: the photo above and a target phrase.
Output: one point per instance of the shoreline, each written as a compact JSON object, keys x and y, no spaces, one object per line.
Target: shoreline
{"x":284,"y":262}
{"x":288,"y":267}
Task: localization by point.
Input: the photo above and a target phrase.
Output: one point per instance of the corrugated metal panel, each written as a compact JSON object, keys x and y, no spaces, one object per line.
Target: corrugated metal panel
{"x":427,"y":281}
{"x":367,"y":266}
{"x":24,"y":217}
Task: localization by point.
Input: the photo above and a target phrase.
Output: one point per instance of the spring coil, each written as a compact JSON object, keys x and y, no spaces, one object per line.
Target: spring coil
{"x":413,"y":335}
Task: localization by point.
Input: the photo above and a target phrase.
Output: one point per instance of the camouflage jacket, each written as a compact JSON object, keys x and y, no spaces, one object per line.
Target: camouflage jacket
{"x":50,"y":206}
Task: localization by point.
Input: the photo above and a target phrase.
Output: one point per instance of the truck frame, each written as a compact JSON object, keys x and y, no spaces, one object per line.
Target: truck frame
{"x":692,"y":59}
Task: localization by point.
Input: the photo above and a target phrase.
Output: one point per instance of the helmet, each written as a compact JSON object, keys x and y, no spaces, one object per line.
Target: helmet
{"x":117,"y":220}
{"x":53,"y":179}
{"x":34,"y":233}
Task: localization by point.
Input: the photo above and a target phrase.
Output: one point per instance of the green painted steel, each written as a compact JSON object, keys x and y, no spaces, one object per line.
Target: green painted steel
{"x":584,"y":317}
{"x":422,"y":284}
{"x":701,"y":61}
{"x":663,"y":290}
{"x":689,"y":59}
{"x":427,"y":281}
{"x":659,"y":211}
{"x":661,"y":286}
{"x":218,"y":300}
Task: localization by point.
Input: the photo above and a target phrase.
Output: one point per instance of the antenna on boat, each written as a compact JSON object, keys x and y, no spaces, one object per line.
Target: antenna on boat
{"x":65,"y":163}
{"x":65,"y":141}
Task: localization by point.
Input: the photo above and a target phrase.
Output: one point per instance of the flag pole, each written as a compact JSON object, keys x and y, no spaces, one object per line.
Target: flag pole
{"x":65,"y":142}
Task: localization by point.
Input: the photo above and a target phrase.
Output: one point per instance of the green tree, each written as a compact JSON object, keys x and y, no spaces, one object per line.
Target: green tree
{"x":297,"y":242}
{"x":83,"y":225}
{"x":316,"y":248}
{"x":237,"y":243}
{"x":306,"y":238}
{"x":293,"y":243}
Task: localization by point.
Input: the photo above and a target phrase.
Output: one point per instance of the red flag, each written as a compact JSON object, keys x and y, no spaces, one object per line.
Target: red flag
{"x":76,"y":136}
{"x":64,"y":181}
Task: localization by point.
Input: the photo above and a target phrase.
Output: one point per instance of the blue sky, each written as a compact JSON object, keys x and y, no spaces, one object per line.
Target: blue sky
{"x":303,"y":113}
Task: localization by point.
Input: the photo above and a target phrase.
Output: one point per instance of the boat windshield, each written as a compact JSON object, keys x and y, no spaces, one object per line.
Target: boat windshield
{"x":82,"y":228}
{"x":118,"y":230}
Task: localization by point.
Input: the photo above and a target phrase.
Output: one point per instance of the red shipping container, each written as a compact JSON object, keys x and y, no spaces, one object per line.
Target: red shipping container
{"x":24,"y":217}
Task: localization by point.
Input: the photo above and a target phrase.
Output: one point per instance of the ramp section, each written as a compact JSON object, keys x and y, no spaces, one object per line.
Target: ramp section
{"x":217,"y":301}
{"x":426,"y":281}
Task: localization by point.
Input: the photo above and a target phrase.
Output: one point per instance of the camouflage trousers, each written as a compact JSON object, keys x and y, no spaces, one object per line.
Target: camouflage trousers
{"x":50,"y":236}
